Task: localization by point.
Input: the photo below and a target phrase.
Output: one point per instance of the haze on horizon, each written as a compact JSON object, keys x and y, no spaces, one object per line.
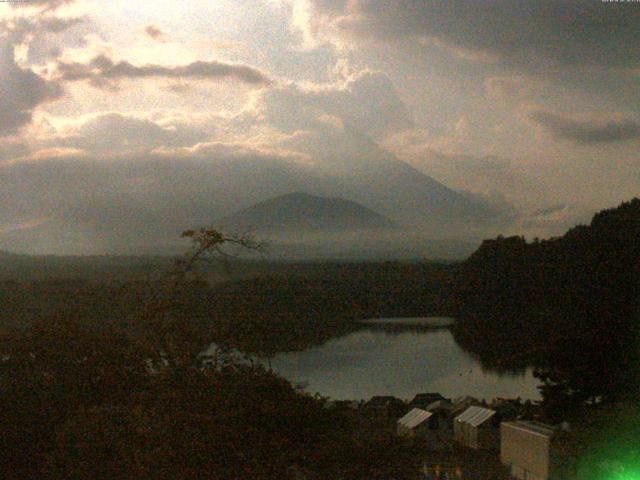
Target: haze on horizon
{"x":123,"y":122}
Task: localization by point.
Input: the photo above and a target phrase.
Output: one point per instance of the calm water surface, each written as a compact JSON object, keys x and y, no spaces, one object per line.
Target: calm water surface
{"x":375,"y":362}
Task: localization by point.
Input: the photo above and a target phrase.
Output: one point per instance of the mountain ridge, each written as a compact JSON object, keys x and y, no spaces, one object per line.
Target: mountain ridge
{"x":300,"y":211}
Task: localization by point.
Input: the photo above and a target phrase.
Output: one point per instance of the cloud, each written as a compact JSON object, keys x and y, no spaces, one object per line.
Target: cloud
{"x":42,"y":36}
{"x":48,"y":4}
{"x":22,"y":27}
{"x":549,"y":211}
{"x":134,"y":201}
{"x":102,"y":71}
{"x":57,"y":24}
{"x":587,"y":132}
{"x":513,"y":88}
{"x":11,"y":148}
{"x":26,"y":225}
{"x":556,"y":219}
{"x":571,"y":32}
{"x":21,"y":91}
{"x":124,"y":191}
{"x":154,"y":32}
{"x":481,"y":174}
{"x":366,"y":101}
{"x":113,"y":134}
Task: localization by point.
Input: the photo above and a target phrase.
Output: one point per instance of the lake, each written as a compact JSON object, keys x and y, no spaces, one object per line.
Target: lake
{"x":427,"y":322}
{"x":373,"y":361}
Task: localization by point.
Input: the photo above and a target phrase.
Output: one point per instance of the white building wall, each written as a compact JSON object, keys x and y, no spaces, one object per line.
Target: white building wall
{"x":525,"y":452}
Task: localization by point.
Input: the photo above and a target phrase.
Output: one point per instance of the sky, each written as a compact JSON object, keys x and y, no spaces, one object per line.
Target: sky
{"x":138,"y":115}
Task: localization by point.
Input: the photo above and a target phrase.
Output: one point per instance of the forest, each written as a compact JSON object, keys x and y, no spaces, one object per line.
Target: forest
{"x":107,"y":379}
{"x":569,"y":306}
{"x":84,"y":398}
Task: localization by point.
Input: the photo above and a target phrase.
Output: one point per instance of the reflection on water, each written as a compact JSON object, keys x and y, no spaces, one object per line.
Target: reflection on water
{"x":374,"y":362}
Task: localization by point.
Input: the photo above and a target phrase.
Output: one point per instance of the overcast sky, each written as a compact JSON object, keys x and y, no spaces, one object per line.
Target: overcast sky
{"x":535,"y":103}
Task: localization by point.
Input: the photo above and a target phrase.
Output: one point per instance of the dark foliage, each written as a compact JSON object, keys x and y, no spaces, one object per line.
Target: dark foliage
{"x":568,"y":305}
{"x":85,"y":400}
{"x":294,"y":311}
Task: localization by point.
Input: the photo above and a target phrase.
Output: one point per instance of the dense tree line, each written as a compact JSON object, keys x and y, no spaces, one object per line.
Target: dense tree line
{"x":568,"y":305}
{"x":294,"y":311}
{"x":86,"y":400}
{"x":290,"y":308}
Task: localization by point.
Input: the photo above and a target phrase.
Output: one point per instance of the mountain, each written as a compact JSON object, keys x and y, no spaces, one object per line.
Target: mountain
{"x":374,"y":177}
{"x":301,"y":212}
{"x":141,"y":207}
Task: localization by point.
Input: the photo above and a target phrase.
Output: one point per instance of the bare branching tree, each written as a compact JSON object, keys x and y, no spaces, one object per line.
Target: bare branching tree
{"x":210,"y":245}
{"x":176,"y":335}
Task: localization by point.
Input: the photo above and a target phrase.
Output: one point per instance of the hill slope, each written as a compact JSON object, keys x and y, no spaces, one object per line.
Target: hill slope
{"x":113,"y":217}
{"x":303,"y":212}
{"x":569,"y":305}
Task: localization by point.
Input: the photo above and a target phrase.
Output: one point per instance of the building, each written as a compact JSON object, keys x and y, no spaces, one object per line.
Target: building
{"x":444,"y":406}
{"x":423,"y":400}
{"x":426,"y":427}
{"x":526,"y":448}
{"x":477,"y":428}
{"x":460,"y":404}
{"x":415,"y":423}
{"x":442,"y":417}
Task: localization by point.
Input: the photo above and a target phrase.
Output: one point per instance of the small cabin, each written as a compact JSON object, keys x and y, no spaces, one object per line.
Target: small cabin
{"x":423,"y":400}
{"x":460,"y":404}
{"x":415,"y":423}
{"x":442,"y":417}
{"x":477,"y":428}
{"x":526,"y":448}
{"x":432,"y":427}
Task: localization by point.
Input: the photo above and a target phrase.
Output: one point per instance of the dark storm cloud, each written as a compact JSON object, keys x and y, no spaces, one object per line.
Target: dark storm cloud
{"x":545,"y":212}
{"x":154,"y":32}
{"x":587,"y":132}
{"x":102,"y":70}
{"x":21,"y":91}
{"x":570,"y":32}
{"x":20,"y":29}
{"x":57,"y":25}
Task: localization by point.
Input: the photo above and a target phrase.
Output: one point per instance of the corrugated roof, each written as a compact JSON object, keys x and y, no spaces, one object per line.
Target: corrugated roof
{"x":475,"y":416}
{"x":414,"y":418}
{"x":535,"y":427}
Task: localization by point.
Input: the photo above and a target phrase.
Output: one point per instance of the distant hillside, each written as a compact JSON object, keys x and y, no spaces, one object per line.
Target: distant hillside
{"x":375,"y":177}
{"x":303,"y":212}
{"x":110,"y":217}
